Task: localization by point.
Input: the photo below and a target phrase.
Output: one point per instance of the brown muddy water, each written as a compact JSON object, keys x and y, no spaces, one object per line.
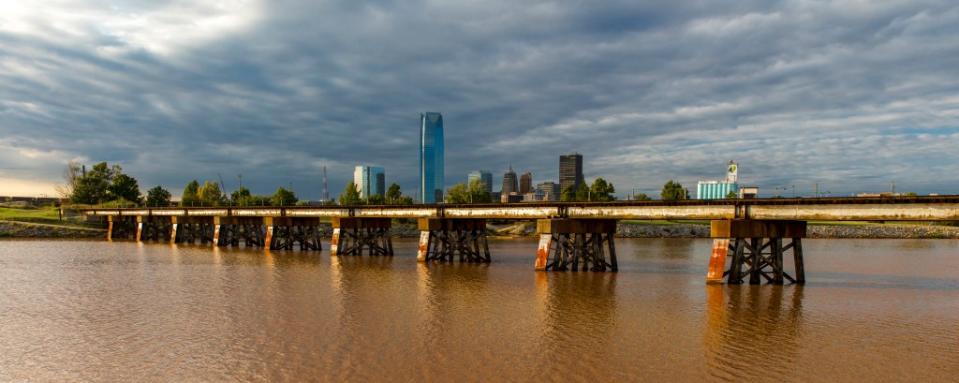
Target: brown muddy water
{"x":872,"y":310}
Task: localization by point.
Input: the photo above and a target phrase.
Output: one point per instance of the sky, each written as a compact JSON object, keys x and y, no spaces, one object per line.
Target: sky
{"x":850,"y":95}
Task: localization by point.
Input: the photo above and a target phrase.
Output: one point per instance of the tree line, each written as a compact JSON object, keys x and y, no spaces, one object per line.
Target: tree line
{"x":393,"y":196}
{"x":108,"y":185}
{"x":104,"y":184}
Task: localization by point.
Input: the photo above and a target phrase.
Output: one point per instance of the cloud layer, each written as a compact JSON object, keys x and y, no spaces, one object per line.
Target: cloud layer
{"x":852,"y":95}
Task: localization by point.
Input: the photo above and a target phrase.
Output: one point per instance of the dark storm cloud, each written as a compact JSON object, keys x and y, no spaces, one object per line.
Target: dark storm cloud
{"x":850,"y":95}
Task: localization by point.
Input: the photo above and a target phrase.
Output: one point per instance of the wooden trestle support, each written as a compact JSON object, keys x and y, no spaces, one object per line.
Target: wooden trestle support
{"x":121,"y":227}
{"x":757,"y":251}
{"x":284,"y":232}
{"x":576,"y":245}
{"x":442,"y":239}
{"x":234,"y":231}
{"x":154,"y":228}
{"x":192,"y":230}
{"x":351,"y":235}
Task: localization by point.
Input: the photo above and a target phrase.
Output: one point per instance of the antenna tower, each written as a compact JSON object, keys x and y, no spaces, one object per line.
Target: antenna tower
{"x":326,"y":190}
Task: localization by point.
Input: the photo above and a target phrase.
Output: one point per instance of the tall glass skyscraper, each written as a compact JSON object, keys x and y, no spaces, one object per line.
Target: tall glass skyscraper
{"x":432,"y":170}
{"x":370,"y":180}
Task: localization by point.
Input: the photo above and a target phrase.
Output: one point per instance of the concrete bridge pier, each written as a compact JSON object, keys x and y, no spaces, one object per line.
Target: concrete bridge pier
{"x":441,"y":239}
{"x":351,"y":235}
{"x":755,"y":250}
{"x":576,"y":245}
{"x":121,"y":227}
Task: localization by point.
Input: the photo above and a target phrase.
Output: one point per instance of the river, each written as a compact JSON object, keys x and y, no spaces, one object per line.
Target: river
{"x":872,"y":310}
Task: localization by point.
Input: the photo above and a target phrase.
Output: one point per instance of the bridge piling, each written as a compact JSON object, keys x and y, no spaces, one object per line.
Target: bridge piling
{"x":576,"y":245}
{"x":288,"y":231}
{"x":442,"y":239}
{"x":351,"y":235}
{"x":757,"y":251}
{"x":190,"y":230}
{"x":122,"y":227}
{"x":152,"y":228}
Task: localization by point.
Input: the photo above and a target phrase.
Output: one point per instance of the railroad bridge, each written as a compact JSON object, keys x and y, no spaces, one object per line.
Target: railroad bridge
{"x":750,"y":237}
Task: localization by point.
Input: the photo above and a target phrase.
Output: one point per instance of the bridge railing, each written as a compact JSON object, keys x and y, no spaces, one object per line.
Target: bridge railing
{"x":935,"y":208}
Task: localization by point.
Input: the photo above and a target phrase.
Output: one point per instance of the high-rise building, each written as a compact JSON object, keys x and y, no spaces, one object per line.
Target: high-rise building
{"x":549,"y":190}
{"x":483,"y":176}
{"x":570,"y":171}
{"x":370,"y":180}
{"x":526,"y":183}
{"x":509,"y":183}
{"x":432,"y":171}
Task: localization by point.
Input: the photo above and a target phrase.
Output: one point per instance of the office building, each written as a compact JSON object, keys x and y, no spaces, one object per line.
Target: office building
{"x":509,"y":183}
{"x":526,"y":183}
{"x":570,"y":171}
{"x":729,"y":188}
{"x":370,"y":180}
{"x":483,"y":176}
{"x":549,"y":190}
{"x":432,"y":176}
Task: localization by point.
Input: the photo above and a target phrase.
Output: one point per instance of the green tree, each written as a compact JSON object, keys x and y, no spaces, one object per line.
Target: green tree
{"x":241,"y":197}
{"x":350,"y":195}
{"x":477,"y":192}
{"x":210,"y":194}
{"x":674,"y":191}
{"x":91,"y":188}
{"x":393,"y":194}
{"x":641,"y":197}
{"x":582,"y":192}
{"x":123,"y":187}
{"x":283,"y":197}
{"x":458,"y":194}
{"x":731,"y":195}
{"x":190,"y":195}
{"x":376,"y":199}
{"x":601,"y":191}
{"x":101,"y":184}
{"x":568,"y":194}
{"x":158,"y":196}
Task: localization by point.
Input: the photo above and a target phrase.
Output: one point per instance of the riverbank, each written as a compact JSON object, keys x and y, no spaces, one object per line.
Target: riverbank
{"x":44,"y":222}
{"x":14,"y":229}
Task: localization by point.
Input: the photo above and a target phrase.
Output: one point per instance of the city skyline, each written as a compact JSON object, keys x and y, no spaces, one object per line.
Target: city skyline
{"x":852,"y":97}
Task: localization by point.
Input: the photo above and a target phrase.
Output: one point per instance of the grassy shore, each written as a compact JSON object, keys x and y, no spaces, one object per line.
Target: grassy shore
{"x":49,"y":215}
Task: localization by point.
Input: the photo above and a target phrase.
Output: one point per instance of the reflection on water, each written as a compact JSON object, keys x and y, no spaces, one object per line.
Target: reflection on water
{"x":749,"y":323}
{"x":93,"y":311}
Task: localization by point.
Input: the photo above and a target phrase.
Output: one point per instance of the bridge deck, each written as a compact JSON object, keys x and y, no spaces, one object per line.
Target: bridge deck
{"x":931,"y":208}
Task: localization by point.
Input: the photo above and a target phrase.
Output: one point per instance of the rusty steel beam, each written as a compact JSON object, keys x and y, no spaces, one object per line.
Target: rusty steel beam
{"x":857,"y":212}
{"x":800,"y":209}
{"x":502,"y":211}
{"x":654,"y":212}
